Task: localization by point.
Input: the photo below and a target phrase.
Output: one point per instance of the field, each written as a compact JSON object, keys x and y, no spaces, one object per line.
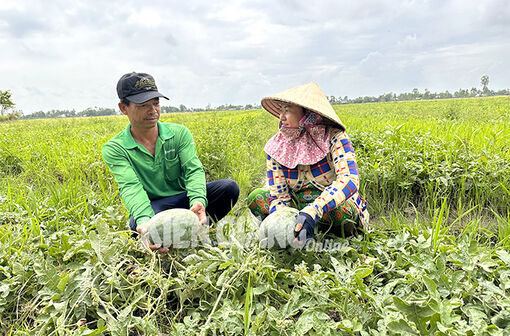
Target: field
{"x":436,"y":175}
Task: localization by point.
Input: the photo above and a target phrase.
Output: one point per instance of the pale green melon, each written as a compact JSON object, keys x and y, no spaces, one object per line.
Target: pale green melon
{"x":277,"y":230}
{"x":174,"y":228}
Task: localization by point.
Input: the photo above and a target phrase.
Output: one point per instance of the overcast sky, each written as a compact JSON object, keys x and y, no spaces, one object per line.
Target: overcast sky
{"x":70,"y":54}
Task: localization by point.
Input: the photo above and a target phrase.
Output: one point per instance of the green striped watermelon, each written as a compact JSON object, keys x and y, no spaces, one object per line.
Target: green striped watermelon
{"x":277,"y":230}
{"x":174,"y":228}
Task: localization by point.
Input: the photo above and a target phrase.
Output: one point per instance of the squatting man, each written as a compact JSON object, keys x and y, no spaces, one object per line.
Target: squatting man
{"x":155,"y":164}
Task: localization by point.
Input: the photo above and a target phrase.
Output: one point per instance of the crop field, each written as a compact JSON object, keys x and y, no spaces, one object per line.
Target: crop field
{"x":436,"y":176}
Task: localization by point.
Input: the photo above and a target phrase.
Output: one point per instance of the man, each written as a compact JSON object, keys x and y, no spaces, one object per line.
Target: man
{"x":155,"y":164}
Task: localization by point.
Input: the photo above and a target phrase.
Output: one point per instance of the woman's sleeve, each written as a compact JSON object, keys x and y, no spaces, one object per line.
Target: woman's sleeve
{"x":347,"y":178}
{"x":278,"y":187}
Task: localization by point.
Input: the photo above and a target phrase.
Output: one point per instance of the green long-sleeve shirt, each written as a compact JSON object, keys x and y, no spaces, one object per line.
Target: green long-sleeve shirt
{"x":142,"y":177}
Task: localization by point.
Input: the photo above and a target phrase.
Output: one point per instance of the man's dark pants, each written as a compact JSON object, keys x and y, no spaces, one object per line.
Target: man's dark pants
{"x":221,"y":197}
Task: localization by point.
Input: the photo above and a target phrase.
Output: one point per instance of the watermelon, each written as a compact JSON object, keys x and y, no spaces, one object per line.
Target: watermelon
{"x":174,"y":228}
{"x":277,"y":229}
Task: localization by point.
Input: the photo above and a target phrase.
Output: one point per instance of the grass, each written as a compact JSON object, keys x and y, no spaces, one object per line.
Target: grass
{"x":436,"y":261}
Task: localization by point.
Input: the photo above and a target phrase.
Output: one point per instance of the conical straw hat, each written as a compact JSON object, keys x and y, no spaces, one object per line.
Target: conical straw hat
{"x":309,"y":96}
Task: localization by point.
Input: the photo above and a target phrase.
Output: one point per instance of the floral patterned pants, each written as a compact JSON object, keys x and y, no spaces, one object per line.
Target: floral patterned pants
{"x":342,"y":221}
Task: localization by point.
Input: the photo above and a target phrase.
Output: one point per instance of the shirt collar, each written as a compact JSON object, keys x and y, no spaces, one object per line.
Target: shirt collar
{"x":128,"y":142}
{"x":165,"y":132}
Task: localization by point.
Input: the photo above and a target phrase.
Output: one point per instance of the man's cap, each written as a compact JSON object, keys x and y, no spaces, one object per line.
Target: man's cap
{"x":137,"y":87}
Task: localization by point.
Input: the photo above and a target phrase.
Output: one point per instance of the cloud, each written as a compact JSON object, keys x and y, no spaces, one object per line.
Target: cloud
{"x":16,"y":24}
{"x":236,"y":52}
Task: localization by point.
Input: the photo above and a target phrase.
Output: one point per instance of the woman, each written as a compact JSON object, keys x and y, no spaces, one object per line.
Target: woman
{"x":310,"y":166}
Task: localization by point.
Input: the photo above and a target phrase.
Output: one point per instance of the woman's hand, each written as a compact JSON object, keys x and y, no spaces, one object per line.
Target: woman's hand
{"x":304,"y":228}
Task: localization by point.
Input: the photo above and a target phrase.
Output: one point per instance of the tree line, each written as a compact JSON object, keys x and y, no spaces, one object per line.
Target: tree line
{"x":100,"y":111}
{"x":417,"y":95}
{"x":89,"y":112}
{"x":8,"y":111}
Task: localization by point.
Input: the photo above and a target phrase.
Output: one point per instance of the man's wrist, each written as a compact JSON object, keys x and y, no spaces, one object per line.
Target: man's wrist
{"x":198,"y":199}
{"x":142,"y":220}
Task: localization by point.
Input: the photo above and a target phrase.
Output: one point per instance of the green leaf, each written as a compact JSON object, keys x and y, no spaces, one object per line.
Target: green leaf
{"x":191,"y":259}
{"x":60,"y":307}
{"x":305,"y":323}
{"x":347,"y":324}
{"x":431,"y":286}
{"x":502,"y":320}
{"x":223,"y":277}
{"x":225,"y":265}
{"x":362,"y":272}
{"x":476,"y":316}
{"x":413,"y":309}
{"x":504,"y":256}
{"x":402,"y":327}
{"x":63,"y":282}
{"x":260,"y":289}
{"x":486,"y":264}
{"x":418,"y":313}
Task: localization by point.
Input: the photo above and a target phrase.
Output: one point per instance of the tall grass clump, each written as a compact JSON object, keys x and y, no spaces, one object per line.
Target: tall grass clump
{"x":415,"y":153}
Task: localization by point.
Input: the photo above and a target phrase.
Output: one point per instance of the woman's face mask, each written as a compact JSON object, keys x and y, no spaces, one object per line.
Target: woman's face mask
{"x":290,"y":133}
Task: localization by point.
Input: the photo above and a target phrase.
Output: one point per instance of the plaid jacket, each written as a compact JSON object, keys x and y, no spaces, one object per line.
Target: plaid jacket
{"x":336,"y":175}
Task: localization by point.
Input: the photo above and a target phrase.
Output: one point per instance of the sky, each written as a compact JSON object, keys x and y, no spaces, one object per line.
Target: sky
{"x":57,"y":54}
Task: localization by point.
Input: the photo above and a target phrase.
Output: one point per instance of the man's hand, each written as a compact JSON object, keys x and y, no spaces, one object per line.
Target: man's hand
{"x":199,"y":209}
{"x":142,"y":230}
{"x":305,"y":225}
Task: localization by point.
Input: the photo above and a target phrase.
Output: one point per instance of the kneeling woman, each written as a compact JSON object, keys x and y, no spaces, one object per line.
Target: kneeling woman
{"x":310,"y":166}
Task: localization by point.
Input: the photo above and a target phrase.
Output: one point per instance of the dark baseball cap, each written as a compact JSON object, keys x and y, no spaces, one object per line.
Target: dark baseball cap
{"x":137,"y":87}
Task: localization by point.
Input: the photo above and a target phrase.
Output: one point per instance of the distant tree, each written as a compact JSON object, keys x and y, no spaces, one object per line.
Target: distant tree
{"x":89,"y":112}
{"x":426,"y":95}
{"x":36,"y":115}
{"x":462,"y":93}
{"x":333,"y":100}
{"x":16,"y":114}
{"x":389,"y":97}
{"x":5,"y":101}
{"x":182,"y":108}
{"x":445,"y":94}
{"x":169,"y":109}
{"x":484,"y":81}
